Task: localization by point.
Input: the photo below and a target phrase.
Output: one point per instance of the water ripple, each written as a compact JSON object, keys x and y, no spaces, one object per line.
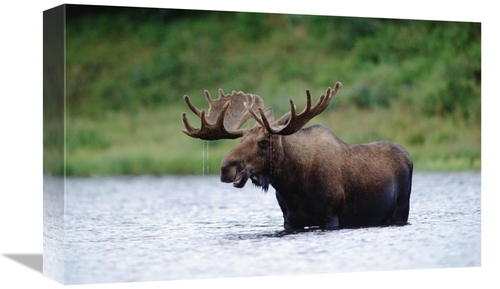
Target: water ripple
{"x":146,"y":228}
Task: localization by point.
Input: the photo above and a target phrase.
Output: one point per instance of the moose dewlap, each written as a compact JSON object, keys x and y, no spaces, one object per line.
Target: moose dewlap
{"x":319,"y":179}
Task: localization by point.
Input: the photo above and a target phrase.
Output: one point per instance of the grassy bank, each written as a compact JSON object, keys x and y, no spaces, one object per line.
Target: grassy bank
{"x":417,"y":83}
{"x":150,"y":141}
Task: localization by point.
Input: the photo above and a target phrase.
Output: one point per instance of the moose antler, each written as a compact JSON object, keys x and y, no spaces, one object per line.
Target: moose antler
{"x":225,"y":115}
{"x":296,"y":122}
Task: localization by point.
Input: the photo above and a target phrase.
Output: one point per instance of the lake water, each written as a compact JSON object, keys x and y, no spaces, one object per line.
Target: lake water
{"x":147,"y":228}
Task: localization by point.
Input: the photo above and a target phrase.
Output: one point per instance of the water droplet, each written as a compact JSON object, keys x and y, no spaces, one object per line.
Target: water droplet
{"x":208,"y":157}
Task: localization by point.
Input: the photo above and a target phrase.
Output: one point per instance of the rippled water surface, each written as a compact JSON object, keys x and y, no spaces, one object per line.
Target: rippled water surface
{"x":145,"y":228}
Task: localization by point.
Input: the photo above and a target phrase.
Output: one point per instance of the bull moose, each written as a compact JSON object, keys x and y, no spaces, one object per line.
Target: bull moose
{"x":320,"y":180}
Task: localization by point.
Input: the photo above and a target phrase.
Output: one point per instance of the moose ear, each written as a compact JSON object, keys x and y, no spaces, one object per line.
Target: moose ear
{"x":283,"y":120}
{"x":269,"y":114}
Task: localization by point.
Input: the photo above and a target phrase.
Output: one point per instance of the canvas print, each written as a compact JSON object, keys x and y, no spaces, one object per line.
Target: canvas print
{"x":190,"y":144}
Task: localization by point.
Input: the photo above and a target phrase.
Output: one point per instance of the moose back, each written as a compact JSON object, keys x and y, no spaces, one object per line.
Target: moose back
{"x":320,"y":180}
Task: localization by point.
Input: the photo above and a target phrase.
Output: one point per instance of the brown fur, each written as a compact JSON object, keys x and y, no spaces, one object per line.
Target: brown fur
{"x":322,"y":181}
{"x":319,"y":179}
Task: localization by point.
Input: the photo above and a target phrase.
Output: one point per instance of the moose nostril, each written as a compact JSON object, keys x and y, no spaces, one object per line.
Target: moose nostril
{"x":226,"y":175}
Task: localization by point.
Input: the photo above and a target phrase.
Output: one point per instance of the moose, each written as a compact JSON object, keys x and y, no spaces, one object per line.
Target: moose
{"x":320,"y":180}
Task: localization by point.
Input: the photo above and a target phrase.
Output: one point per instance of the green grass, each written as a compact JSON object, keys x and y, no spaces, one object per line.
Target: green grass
{"x":148,"y":142}
{"x":435,"y":143}
{"x":151,"y":141}
{"x":417,"y":83}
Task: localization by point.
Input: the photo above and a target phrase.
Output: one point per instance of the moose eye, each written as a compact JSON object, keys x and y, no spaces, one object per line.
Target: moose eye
{"x":264,"y":144}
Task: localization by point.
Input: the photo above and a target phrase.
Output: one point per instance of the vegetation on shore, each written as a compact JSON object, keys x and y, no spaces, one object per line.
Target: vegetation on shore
{"x":417,"y":83}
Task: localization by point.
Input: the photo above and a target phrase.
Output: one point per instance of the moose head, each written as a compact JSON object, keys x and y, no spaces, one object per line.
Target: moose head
{"x":260,"y":148}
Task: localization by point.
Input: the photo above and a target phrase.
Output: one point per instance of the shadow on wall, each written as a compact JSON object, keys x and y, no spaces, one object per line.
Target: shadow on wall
{"x":33,"y":261}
